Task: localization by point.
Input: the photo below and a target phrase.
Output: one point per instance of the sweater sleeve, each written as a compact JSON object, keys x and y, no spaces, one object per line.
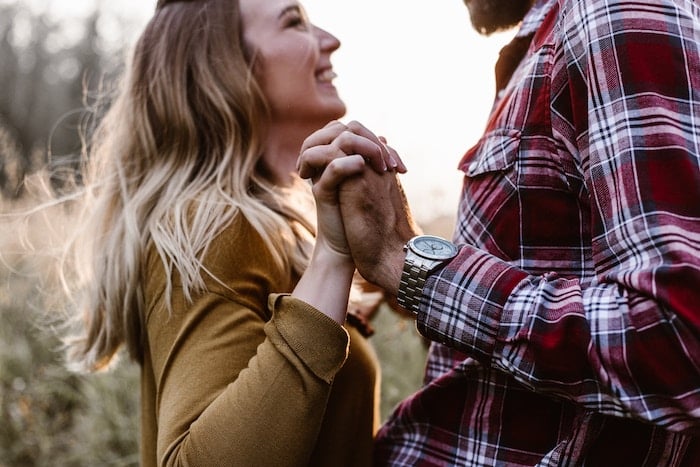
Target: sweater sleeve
{"x":234,"y":387}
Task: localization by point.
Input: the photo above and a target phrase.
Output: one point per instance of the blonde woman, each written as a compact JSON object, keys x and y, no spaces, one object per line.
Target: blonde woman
{"x":198,"y":253}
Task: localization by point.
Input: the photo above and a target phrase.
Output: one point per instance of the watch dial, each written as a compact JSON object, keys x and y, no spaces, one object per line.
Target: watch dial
{"x":434,"y":247}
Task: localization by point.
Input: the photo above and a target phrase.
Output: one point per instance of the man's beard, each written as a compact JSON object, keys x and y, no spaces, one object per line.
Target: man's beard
{"x":489,"y":16}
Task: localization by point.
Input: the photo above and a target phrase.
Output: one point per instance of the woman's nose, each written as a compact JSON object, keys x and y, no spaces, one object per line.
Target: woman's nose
{"x":327,"y":40}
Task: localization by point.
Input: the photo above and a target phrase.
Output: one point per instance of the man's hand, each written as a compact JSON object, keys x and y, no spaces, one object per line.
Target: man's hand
{"x":375,"y":214}
{"x":378,"y":223}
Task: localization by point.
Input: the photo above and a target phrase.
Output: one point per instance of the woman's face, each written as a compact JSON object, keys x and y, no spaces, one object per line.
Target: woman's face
{"x":293,"y":61}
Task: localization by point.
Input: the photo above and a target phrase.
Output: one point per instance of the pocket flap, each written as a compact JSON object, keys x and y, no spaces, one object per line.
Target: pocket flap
{"x":494,"y":152}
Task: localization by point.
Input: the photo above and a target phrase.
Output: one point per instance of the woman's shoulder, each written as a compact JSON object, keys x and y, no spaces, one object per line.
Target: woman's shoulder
{"x":237,"y":265}
{"x":240,"y":265}
{"x":239,"y":249}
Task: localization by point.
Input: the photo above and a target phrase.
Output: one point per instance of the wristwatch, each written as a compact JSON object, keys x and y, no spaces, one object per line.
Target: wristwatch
{"x":424,"y":254}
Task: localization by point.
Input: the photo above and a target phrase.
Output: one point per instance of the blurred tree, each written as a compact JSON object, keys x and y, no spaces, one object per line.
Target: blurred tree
{"x":10,"y":163}
{"x":50,"y":416}
{"x":47,"y":64}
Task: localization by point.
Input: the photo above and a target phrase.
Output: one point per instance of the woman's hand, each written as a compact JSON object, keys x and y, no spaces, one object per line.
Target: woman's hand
{"x":337,"y":140}
{"x":331,"y":233}
{"x":332,"y":155}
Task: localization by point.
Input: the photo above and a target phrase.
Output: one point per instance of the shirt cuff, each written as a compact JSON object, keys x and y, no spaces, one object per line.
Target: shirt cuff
{"x":317,"y":340}
{"x":462,"y":304}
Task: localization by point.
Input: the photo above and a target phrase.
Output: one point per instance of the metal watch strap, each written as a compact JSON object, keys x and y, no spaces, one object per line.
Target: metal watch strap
{"x":411,"y":286}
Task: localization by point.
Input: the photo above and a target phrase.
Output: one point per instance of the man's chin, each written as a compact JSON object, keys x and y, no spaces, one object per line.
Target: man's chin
{"x":489,"y":16}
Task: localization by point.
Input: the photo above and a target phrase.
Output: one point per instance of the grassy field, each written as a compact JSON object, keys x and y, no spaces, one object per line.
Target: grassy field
{"x":52,"y":417}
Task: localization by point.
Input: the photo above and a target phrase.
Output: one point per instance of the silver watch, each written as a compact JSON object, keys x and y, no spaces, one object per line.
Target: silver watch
{"x":424,"y":254}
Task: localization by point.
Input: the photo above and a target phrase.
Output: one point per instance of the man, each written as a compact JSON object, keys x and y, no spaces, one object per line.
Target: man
{"x":566,"y":321}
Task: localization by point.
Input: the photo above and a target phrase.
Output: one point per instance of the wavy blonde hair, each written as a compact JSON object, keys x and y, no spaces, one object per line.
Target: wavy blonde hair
{"x":175,"y":158}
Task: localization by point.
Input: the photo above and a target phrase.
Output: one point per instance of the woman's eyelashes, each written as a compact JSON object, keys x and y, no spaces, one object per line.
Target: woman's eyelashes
{"x":296,"y":19}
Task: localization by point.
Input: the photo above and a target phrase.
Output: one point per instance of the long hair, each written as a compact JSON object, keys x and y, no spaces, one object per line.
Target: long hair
{"x":174,"y":160}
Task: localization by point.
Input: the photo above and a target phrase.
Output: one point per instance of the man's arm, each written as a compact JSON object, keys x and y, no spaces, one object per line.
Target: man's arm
{"x":627,"y":343}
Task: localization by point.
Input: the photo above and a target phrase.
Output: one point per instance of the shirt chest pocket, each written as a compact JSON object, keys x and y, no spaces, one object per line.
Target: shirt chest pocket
{"x":489,"y":197}
{"x":496,"y":152}
{"x":510,"y":180}
{"x":508,"y":160}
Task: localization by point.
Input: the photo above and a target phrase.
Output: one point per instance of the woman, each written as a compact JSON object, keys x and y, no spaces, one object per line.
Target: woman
{"x":197,"y":229}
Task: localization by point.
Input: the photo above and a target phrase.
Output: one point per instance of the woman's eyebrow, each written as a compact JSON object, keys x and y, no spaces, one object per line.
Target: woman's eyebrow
{"x":287,"y":9}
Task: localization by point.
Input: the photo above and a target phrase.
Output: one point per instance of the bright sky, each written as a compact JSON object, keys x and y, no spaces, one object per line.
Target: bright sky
{"x":414,"y":72}
{"x":417,"y":73}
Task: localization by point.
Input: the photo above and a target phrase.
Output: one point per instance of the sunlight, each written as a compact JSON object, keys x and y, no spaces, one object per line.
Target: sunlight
{"x":418,"y":75}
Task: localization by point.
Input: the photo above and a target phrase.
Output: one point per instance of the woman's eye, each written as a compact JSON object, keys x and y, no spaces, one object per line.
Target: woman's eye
{"x":297,"y":22}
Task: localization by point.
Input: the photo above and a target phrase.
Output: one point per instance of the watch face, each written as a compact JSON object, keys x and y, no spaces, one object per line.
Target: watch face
{"x":433,"y":247}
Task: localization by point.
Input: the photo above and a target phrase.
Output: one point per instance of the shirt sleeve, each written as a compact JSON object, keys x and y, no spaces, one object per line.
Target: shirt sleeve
{"x":240,"y":381}
{"x":627,"y":343}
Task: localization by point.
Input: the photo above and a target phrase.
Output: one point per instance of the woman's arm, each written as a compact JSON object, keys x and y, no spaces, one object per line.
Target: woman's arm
{"x":234,"y":376}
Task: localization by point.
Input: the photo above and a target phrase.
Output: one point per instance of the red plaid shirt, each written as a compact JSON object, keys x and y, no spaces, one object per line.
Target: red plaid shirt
{"x":571,"y":318}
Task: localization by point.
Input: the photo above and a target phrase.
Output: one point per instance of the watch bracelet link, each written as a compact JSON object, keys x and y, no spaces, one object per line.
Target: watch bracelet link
{"x":411,"y":286}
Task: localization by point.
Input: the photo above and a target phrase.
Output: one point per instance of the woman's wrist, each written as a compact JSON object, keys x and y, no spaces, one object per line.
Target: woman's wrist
{"x":327,"y":256}
{"x":326,"y":282}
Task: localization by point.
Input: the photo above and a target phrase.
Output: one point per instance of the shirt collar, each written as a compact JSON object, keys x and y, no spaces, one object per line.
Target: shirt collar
{"x":534,"y":17}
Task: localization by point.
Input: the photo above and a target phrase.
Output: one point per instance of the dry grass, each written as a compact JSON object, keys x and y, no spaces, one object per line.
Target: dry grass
{"x":49,"y":415}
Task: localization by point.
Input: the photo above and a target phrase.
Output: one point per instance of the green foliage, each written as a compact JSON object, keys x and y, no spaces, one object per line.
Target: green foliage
{"x":51,"y":416}
{"x":402,"y":353}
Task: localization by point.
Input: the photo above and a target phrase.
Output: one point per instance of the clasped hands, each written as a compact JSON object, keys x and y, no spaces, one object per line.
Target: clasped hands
{"x":362,"y":209}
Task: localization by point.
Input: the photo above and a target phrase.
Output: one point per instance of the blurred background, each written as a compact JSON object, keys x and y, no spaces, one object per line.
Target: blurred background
{"x":418,"y":75}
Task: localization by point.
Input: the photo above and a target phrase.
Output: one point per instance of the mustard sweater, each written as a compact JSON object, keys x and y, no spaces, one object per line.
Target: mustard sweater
{"x":247,"y":377}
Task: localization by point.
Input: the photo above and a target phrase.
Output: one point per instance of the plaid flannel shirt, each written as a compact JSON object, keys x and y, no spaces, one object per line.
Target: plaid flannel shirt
{"x":567,"y":331}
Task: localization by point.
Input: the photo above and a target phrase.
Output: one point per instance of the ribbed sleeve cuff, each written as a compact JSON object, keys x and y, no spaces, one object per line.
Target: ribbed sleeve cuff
{"x":317,"y":340}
